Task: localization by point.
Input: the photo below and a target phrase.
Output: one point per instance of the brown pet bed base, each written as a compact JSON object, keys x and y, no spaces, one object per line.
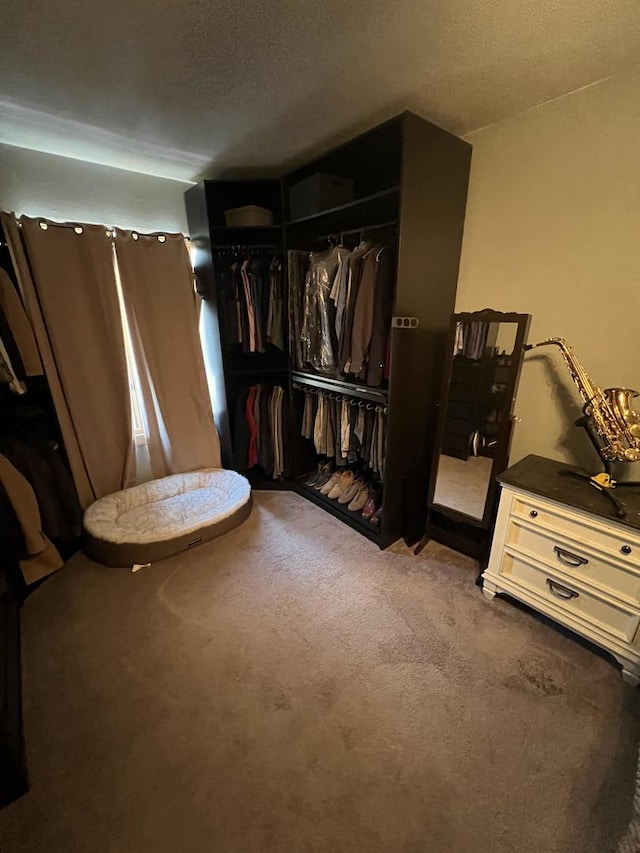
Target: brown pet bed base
{"x":161,"y":518}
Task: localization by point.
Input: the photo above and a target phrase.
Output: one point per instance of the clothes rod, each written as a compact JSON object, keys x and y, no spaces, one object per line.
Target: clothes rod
{"x":239,"y":247}
{"x":392,"y":224}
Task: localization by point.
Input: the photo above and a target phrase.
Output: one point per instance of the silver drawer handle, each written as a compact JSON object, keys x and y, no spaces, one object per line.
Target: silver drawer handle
{"x":534,"y":513}
{"x":561,"y":591}
{"x":569,"y":559}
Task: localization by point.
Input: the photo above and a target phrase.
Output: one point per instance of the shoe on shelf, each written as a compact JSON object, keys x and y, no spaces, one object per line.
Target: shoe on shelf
{"x":323,"y":468}
{"x":311,"y":479}
{"x":377,"y":515}
{"x":360,"y":499}
{"x":372,"y":504}
{"x":325,"y":475}
{"x":351,"y":491}
{"x":330,"y":483}
{"x":346,"y":479}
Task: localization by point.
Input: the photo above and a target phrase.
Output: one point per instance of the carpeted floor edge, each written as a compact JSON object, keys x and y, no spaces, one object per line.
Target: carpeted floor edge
{"x":630,"y":843}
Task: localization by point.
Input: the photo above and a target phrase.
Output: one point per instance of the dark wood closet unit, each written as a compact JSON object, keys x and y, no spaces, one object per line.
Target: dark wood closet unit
{"x":405,"y":180}
{"x":210,"y":238}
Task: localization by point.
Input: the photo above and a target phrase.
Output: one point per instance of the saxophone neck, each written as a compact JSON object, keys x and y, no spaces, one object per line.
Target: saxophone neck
{"x":585,"y":385}
{"x":559,"y":342}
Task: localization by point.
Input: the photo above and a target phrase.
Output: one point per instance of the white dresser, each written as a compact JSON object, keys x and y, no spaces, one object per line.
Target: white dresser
{"x":559,"y":548}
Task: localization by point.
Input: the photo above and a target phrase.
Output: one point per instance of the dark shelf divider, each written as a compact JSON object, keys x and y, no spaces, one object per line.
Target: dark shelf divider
{"x":349,"y":205}
{"x":258,"y":371}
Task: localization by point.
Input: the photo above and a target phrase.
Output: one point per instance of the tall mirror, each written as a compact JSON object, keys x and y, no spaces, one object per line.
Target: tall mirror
{"x":485,"y":351}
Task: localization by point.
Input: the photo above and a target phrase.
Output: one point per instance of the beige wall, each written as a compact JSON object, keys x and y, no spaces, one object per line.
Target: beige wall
{"x":553,"y":230}
{"x":64,"y":189}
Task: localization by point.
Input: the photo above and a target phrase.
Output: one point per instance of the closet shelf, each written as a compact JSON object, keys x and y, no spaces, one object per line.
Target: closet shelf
{"x":257,"y":371}
{"x":250,"y":236}
{"x":313,"y":380}
{"x":353,"y":519}
{"x":355,"y":205}
{"x":249,"y":228}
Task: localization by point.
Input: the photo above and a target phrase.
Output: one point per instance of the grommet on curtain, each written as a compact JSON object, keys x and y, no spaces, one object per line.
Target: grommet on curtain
{"x":134,"y":234}
{"x":161,"y":238}
{"x":43,"y":225}
{"x":78,"y":229}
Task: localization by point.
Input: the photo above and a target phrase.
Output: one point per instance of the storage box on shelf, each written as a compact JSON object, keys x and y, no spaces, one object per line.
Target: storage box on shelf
{"x":318,"y":192}
{"x":249,"y":216}
{"x":558,"y":548}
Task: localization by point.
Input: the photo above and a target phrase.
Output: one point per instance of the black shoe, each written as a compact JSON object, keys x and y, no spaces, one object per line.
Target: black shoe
{"x":314,"y":476}
{"x":325,"y":475}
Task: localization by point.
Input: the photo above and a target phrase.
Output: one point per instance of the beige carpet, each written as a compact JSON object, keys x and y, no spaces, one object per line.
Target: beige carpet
{"x":291,"y":688}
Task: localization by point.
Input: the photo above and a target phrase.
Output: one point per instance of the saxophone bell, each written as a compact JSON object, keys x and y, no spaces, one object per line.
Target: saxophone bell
{"x":620,"y":401}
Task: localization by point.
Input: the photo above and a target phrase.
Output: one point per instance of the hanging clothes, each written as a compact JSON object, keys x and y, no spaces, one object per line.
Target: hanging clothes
{"x":7,"y":372}
{"x":353,"y":284}
{"x":318,"y":322}
{"x":36,"y":457}
{"x":341,"y":307}
{"x":260,"y":430}
{"x":250,"y":298}
{"x":297,"y":268}
{"x":39,"y":557}
{"x":345,"y":429}
{"x":277,"y":432}
{"x":339,"y":290}
{"x":362,"y":328}
{"x":471,"y":339}
{"x":380,"y":340}
{"x":275,"y":316}
{"x":309,"y":415}
{"x":265,"y":459}
{"x":252,"y":451}
{"x":12,"y":370}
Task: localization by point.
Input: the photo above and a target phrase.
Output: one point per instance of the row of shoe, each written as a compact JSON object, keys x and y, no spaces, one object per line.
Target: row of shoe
{"x":345,"y":487}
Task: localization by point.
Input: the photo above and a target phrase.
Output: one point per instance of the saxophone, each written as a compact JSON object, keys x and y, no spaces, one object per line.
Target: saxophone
{"x":610,"y":411}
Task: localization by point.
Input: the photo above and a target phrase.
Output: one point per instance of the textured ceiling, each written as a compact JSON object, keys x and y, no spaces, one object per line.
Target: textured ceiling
{"x":185,"y":88}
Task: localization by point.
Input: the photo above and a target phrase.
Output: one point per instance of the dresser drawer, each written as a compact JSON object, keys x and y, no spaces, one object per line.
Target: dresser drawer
{"x":572,"y":597}
{"x":614,"y":576}
{"x":616,"y":542}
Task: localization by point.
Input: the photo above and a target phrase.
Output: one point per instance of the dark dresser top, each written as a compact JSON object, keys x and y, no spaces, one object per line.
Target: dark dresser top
{"x":542,"y":477}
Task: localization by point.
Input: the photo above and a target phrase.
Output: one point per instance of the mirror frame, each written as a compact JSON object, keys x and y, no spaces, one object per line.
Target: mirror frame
{"x":458,"y":525}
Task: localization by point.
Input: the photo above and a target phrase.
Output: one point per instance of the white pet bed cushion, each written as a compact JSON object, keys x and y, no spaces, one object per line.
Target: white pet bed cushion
{"x":157,"y":519}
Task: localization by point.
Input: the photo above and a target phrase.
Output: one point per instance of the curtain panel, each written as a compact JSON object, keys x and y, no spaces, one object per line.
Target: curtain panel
{"x":74,"y":304}
{"x":160,"y":303}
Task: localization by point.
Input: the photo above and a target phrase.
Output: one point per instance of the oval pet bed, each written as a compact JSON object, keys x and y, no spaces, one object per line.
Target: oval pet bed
{"x":163,"y":517}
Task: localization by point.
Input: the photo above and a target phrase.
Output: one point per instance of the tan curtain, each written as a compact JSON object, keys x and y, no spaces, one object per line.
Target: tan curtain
{"x":32,"y":307}
{"x":75,"y":312}
{"x":158,"y":293}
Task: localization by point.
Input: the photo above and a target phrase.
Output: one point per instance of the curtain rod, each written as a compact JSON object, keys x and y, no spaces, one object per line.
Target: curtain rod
{"x":110,"y":229}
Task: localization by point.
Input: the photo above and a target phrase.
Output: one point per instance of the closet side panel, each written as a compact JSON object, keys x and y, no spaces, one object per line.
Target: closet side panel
{"x":435,"y":175}
{"x":202,"y":259}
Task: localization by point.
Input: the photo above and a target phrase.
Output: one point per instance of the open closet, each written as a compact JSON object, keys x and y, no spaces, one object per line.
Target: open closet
{"x":330,"y":318}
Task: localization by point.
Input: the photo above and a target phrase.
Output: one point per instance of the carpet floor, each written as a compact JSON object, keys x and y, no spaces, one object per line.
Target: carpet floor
{"x":289,"y":688}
